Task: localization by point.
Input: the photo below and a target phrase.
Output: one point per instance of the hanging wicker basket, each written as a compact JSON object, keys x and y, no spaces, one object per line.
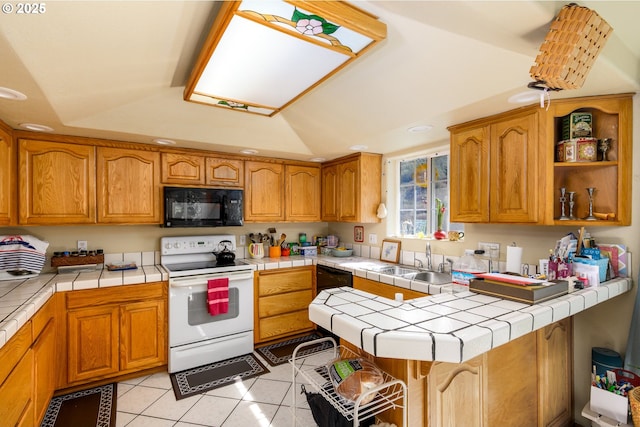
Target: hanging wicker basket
{"x":570,"y":48}
{"x":634,"y":401}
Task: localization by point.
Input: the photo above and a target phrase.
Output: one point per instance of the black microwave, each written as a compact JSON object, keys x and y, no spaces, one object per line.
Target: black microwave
{"x":202,"y":207}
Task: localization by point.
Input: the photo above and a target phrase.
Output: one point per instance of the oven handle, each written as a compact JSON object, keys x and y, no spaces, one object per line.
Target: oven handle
{"x":181,"y":282}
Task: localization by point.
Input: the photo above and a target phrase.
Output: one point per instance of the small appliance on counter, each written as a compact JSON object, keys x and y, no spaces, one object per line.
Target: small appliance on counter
{"x":21,"y":257}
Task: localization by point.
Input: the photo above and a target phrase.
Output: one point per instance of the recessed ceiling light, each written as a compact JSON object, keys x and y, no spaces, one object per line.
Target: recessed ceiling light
{"x":164,"y":141}
{"x":524,"y":97}
{"x":420,"y":128}
{"x":317,"y":159}
{"x":36,"y":127}
{"x":249,"y":151}
{"x":358,"y":147}
{"x":14,"y":95}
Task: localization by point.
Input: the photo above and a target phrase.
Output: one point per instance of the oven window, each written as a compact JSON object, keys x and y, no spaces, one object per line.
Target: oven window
{"x":198,"y":313}
{"x":195,"y":211}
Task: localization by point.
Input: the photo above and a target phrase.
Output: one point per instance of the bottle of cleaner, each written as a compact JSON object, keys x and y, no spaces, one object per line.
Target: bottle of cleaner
{"x":468,"y":267}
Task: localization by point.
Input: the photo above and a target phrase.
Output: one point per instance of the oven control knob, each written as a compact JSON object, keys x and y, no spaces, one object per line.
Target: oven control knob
{"x":176,"y":245}
{"x":167,"y":245}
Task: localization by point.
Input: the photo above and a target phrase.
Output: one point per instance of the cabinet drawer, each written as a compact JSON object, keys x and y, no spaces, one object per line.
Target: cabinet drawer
{"x":279,"y":304}
{"x":283,"y":282}
{"x":285,"y":324}
{"x":17,"y":390}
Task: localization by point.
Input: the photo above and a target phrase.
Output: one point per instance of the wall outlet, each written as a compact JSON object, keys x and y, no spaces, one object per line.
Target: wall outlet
{"x":373,"y":239}
{"x":243,"y":240}
{"x":82,"y":245}
{"x":490,"y":249}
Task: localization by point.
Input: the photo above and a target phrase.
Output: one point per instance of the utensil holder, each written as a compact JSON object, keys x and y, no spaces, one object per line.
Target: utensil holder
{"x":274,"y":252}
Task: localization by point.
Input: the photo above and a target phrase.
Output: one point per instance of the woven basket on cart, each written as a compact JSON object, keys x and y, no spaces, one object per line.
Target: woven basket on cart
{"x":634,"y":401}
{"x":570,"y":48}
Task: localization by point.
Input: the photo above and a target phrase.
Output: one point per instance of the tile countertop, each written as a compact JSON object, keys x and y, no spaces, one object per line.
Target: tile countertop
{"x":446,"y":327}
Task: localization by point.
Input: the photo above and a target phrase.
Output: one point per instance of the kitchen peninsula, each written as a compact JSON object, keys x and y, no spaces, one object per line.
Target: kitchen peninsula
{"x":468,"y":359}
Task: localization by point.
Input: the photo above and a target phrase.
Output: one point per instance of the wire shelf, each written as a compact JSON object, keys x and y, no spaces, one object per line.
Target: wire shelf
{"x":389,"y":395}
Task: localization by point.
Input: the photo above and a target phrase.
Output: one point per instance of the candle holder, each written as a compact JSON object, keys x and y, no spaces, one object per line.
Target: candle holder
{"x":563,"y":200}
{"x":603,"y":146}
{"x":572,"y":203}
{"x":590,"y":217}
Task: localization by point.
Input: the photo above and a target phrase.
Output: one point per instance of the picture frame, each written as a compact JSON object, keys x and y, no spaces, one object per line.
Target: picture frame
{"x":390,"y":250}
{"x":358,"y":233}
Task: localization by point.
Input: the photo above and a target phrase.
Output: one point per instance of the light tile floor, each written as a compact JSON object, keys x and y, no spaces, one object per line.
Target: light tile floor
{"x":264,"y":401}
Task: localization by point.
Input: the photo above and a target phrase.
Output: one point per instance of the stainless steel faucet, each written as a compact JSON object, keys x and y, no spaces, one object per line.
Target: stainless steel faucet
{"x":428,"y":253}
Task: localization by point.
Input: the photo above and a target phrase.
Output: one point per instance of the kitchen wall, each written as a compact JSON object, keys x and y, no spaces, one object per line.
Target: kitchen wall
{"x":143,"y":238}
{"x":607,"y":324}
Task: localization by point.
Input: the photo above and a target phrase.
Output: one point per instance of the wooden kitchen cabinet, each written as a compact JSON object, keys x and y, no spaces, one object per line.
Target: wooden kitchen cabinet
{"x":45,"y":362}
{"x":351,"y":188}
{"x":114,"y":331}
{"x":180,"y":168}
{"x":8,"y":186}
{"x":384,"y":290}
{"x":503,"y":168}
{"x":56,"y":183}
{"x":195,"y":169}
{"x":128,"y":183}
{"x":527,"y":381}
{"x":612,"y":117}
{"x":142,"y":334}
{"x":302,"y":193}
{"x":282,"y":299}
{"x":264,"y":192}
{"x":496,"y":169}
{"x":222,"y":172}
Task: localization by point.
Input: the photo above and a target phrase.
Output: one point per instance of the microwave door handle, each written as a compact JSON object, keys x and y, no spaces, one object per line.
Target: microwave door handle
{"x":223,"y":210}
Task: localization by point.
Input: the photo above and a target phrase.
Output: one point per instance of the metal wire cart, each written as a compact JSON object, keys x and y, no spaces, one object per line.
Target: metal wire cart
{"x":391,"y":394}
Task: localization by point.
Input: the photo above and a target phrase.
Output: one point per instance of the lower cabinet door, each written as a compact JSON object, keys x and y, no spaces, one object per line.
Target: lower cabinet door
{"x":93,"y":342}
{"x":142,"y":335}
{"x":44,"y":370}
{"x":17,"y":390}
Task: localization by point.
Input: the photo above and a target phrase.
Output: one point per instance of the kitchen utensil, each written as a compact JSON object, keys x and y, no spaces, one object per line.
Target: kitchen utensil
{"x":225,"y":253}
{"x":281,"y":240}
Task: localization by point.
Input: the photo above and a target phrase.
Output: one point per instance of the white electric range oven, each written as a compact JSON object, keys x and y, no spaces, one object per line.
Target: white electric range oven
{"x":197,"y":338}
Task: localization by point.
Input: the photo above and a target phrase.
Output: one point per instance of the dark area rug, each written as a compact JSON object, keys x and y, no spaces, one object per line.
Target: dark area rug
{"x":279,"y":353}
{"x":204,"y":378}
{"x":95,"y":407}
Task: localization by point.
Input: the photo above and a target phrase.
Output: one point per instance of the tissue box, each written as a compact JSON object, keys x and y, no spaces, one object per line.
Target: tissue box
{"x":610,"y":404}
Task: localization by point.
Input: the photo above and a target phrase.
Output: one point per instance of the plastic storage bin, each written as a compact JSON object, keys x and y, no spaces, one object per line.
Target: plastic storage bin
{"x":468,"y":267}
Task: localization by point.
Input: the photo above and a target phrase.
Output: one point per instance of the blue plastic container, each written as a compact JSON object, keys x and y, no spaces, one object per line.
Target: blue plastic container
{"x":605,"y":359}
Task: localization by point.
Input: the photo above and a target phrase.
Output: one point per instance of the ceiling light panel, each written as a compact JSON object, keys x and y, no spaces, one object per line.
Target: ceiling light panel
{"x":261,"y":56}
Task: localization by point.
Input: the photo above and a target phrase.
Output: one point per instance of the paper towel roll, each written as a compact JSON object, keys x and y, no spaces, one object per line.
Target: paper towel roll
{"x":514,"y":259}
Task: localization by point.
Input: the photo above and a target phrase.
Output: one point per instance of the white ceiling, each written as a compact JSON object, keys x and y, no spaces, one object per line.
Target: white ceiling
{"x":117,"y":69}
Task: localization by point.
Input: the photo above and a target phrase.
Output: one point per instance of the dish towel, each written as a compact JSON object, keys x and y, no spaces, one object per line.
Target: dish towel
{"x":218,"y":296}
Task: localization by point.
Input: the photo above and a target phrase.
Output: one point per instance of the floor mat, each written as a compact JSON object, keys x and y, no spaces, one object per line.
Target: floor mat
{"x":277,"y":354}
{"x":203,"y":378}
{"x":95,"y":407}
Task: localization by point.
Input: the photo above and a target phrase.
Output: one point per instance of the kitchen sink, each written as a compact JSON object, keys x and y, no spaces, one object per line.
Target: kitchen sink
{"x":432,"y":277}
{"x":397,"y":270}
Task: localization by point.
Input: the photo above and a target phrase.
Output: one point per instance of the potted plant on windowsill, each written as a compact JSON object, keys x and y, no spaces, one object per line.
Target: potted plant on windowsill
{"x":439,"y":234}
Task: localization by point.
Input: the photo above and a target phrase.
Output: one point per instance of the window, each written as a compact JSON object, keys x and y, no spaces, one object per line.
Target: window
{"x":420,"y":181}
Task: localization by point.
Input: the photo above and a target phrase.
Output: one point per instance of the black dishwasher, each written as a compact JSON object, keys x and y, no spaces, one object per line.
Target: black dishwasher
{"x":329,"y":277}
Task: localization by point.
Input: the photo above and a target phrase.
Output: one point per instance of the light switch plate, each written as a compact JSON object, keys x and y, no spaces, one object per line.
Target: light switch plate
{"x":373,"y":238}
{"x":82,"y":245}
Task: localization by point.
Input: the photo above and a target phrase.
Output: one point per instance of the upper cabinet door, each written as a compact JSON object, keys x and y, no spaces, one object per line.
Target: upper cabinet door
{"x":469,"y":178}
{"x":182,"y":169}
{"x":264,"y":193}
{"x":7,"y":178}
{"x":515,"y":185}
{"x":128,"y":186}
{"x":349,"y":195}
{"x":329,"y":193}
{"x":56,"y":183}
{"x":302,"y":196}
{"x":225,"y":172}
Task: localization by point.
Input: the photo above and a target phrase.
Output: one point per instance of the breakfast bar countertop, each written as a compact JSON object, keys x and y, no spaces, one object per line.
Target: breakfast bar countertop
{"x":446,"y":327}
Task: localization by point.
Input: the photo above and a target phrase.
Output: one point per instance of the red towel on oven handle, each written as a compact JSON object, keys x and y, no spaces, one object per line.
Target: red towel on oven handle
{"x":218,"y":296}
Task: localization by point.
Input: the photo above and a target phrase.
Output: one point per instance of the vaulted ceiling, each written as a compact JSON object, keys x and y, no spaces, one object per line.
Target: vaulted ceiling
{"x":117,"y":69}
